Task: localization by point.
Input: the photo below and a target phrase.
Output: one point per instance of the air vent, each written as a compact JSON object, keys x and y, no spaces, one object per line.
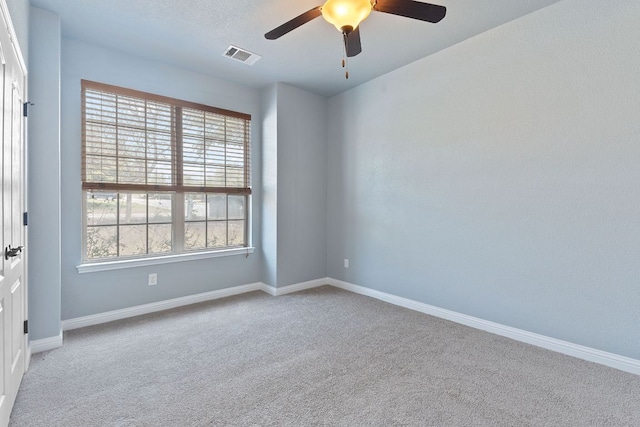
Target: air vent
{"x":241,"y":55}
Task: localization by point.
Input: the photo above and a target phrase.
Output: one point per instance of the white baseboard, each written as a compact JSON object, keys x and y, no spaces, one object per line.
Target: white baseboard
{"x":586,"y":353}
{"x":581,"y":352}
{"x":295,"y":287}
{"x":38,"y":346}
{"x":96,"y":319}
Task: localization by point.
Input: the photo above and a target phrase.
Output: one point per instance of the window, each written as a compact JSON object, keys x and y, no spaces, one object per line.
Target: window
{"x":161,"y":176}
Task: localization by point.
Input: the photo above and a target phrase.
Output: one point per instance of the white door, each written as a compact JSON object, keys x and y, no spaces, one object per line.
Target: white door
{"x":12,"y":267}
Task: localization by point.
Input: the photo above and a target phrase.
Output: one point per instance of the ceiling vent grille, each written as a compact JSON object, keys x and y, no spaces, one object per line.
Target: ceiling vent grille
{"x":241,"y":55}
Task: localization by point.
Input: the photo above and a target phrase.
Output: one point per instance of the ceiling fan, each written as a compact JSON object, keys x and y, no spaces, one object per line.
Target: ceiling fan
{"x":346,"y":16}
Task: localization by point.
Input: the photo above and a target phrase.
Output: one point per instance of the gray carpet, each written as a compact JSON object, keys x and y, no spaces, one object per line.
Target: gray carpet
{"x":318,"y":357}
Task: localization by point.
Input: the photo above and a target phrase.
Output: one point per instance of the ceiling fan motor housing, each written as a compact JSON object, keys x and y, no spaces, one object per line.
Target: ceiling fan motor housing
{"x":346,"y":29}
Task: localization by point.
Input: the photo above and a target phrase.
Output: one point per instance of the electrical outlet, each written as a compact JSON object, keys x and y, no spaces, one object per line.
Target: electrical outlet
{"x":346,"y":263}
{"x":153,"y":279}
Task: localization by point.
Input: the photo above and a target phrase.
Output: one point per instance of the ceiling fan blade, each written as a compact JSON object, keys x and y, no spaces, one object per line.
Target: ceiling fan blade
{"x":412,"y":9}
{"x":294,"y":23}
{"x":352,"y":43}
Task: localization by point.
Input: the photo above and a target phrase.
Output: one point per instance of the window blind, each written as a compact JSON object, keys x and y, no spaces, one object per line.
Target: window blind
{"x":136,"y":141}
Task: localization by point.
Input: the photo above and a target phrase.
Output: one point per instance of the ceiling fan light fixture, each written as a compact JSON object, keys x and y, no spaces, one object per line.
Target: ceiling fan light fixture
{"x":346,"y":15}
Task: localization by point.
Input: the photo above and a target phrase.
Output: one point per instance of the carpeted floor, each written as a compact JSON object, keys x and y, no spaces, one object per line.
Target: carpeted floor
{"x":318,"y":357}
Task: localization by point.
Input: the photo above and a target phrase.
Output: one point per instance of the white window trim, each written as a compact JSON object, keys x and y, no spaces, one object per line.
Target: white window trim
{"x":178,"y":253}
{"x":164,"y":259}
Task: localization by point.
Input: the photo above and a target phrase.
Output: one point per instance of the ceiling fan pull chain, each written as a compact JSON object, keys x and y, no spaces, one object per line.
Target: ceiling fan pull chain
{"x":345,"y":64}
{"x":345,"y":57}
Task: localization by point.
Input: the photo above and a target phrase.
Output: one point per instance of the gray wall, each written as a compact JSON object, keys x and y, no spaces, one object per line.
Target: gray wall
{"x":44,"y":176}
{"x":269,"y":207}
{"x":499,"y":178}
{"x":302,"y":185}
{"x":90,"y":293}
{"x":294,"y":161}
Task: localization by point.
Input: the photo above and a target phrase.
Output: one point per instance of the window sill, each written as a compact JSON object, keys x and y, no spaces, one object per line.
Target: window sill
{"x":165,"y":259}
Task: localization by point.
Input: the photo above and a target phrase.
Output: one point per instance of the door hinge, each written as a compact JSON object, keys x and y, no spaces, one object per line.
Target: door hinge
{"x":25,"y":108}
{"x":26,"y":326}
{"x":25,"y":218}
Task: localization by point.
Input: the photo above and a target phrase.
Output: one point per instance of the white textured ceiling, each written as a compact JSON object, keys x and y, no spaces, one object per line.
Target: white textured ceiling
{"x":193,"y":34}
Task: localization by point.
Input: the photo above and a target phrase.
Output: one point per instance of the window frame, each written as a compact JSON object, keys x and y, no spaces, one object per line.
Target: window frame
{"x":177,"y":188}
